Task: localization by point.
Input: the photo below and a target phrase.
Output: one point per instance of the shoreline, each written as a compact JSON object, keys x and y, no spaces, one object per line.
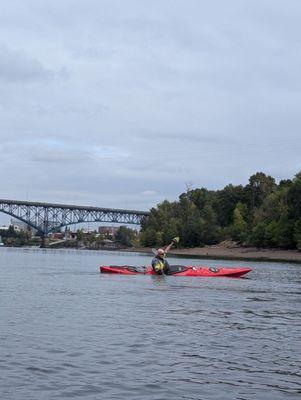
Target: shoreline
{"x":231,"y":253}
{"x":214,"y":252}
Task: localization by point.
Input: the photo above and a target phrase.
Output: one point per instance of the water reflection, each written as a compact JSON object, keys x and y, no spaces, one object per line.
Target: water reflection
{"x":159,"y":281}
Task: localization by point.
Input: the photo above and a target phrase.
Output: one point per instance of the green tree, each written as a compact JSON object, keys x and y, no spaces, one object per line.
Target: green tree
{"x":257,"y":237}
{"x":126,"y":236}
{"x":170,"y":230}
{"x":201,"y":198}
{"x":192,"y":226}
{"x":297,"y":234}
{"x":211,"y":230}
{"x":80,"y":235}
{"x":294,"y":198}
{"x":148,"y":237}
{"x":261,"y":213}
{"x":260,"y":185}
{"x":161,"y":225}
{"x":270,"y":236}
{"x":240,"y":226}
{"x":225,"y":201}
{"x":285,"y":233}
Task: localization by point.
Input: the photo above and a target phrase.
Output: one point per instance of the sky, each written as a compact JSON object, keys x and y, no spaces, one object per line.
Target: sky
{"x":126,"y":103}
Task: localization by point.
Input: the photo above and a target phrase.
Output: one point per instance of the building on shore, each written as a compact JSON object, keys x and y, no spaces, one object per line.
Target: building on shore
{"x":7,"y":227}
{"x":108,"y":230}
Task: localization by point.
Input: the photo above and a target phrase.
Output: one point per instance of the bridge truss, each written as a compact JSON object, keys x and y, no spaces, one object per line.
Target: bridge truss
{"x":48,"y":217}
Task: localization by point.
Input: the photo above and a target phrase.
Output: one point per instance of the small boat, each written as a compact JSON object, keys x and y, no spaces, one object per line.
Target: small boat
{"x":176,"y":270}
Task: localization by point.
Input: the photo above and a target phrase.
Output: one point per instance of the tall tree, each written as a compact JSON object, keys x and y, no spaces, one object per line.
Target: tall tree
{"x":240,"y":226}
{"x":126,"y":236}
{"x":260,"y":185}
{"x":225,"y":201}
{"x":297,"y":234}
{"x":294,"y":198}
{"x":212,"y":232}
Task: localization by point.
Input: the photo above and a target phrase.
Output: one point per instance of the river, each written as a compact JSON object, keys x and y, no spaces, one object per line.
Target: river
{"x":69,"y":332}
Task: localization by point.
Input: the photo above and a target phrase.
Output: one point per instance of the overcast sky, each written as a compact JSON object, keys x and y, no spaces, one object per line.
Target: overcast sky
{"x":124,"y":103}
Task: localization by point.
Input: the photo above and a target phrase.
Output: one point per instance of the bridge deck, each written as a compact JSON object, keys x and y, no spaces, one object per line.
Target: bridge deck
{"x":69,"y":206}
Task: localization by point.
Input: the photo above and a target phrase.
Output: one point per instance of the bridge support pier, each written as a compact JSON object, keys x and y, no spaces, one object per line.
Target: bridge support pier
{"x":44,"y":242}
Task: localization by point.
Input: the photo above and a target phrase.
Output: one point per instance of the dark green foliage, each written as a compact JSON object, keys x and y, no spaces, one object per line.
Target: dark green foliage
{"x":297,"y":233}
{"x":294,"y":198}
{"x":261,"y":214}
{"x":126,"y":236}
{"x":284,"y":234}
{"x":161,"y":225}
{"x":240,"y":227}
{"x":200,"y":197}
{"x":11,"y":237}
{"x":284,"y":183}
{"x":224,"y":202}
{"x":212,"y":232}
{"x":257,"y":236}
{"x":191,"y":229}
{"x":260,"y":185}
{"x":9,"y":233}
{"x":148,"y":237}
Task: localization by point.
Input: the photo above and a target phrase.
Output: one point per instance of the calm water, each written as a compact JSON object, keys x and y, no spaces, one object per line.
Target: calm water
{"x":68,"y":332}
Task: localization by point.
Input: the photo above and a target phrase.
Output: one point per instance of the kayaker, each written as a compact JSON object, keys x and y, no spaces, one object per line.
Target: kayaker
{"x":159,"y":263}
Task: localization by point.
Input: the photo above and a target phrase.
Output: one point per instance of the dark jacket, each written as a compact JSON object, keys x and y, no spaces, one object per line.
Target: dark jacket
{"x":160,"y":266}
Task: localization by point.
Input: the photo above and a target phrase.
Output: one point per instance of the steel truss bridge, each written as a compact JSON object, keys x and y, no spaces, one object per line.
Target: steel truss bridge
{"x":48,"y":217}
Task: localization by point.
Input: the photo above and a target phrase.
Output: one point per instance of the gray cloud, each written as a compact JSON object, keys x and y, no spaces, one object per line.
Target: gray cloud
{"x":17,"y":66}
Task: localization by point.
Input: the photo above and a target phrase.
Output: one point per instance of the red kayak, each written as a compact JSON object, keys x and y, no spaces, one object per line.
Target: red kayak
{"x":176,"y":270}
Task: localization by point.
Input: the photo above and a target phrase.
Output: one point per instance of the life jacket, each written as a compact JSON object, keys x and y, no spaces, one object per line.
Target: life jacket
{"x":159,"y":265}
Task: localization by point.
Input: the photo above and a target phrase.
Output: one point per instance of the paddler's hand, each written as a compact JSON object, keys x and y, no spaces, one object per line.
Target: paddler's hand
{"x":175,"y":240}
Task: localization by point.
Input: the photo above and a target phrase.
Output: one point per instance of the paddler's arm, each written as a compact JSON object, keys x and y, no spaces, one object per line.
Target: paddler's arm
{"x":174,"y":241}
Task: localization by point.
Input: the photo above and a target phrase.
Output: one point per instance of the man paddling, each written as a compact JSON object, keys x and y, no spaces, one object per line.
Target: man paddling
{"x":159,"y":263}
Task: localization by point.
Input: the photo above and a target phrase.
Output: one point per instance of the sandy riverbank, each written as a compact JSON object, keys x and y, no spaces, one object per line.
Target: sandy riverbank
{"x":234,"y":252}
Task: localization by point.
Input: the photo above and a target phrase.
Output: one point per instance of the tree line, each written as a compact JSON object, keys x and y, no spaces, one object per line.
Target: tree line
{"x":262,"y":214}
